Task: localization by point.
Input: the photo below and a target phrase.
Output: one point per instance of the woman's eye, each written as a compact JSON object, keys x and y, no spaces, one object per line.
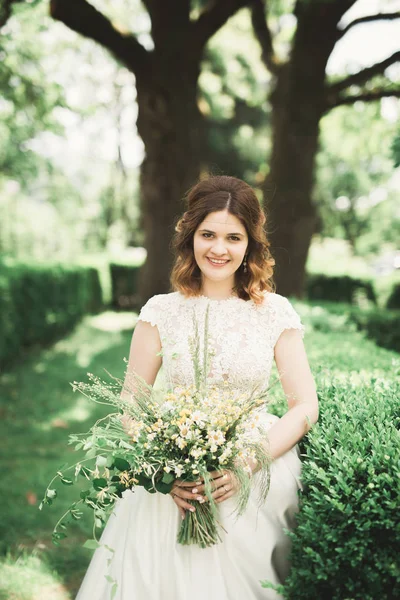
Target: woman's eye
{"x":233,"y":237}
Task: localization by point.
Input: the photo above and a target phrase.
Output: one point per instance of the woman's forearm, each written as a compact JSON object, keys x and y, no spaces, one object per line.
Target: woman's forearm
{"x":289,"y":430}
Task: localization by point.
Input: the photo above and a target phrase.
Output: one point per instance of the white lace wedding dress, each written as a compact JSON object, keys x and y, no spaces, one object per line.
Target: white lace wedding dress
{"x":148,"y":564}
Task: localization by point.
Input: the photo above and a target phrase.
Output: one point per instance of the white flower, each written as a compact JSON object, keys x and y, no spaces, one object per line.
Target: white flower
{"x":199,"y":418}
{"x":196,"y":452}
{"x":216,"y":437}
{"x":180,"y":442}
{"x":225,"y":455}
{"x":178,"y":471}
{"x":185,"y":429}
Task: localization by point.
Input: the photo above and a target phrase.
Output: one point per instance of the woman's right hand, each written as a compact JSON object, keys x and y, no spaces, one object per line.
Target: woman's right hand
{"x":181,"y":492}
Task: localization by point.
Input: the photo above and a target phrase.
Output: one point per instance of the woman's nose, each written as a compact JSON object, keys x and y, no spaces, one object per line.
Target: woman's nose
{"x":219,"y":247}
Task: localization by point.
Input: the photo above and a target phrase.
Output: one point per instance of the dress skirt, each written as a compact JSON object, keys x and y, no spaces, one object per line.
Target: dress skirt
{"x":149,"y":564}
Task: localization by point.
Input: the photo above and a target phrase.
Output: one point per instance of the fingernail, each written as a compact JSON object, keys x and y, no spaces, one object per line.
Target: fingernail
{"x":199,"y":498}
{"x":192,"y":509}
{"x":201,"y":501}
{"x":198,"y":483}
{"x":194,"y":491}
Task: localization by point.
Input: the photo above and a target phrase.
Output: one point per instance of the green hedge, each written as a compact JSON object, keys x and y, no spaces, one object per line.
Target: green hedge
{"x":381,"y":326}
{"x":347,"y":540}
{"x":39,"y":303}
{"x":338,"y":288}
{"x":124,"y":282}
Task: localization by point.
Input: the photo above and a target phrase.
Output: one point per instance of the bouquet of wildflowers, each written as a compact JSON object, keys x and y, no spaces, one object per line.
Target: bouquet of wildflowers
{"x":158,"y":436}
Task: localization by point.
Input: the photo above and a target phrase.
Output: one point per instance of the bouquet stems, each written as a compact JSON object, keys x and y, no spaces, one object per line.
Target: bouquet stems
{"x":199,"y":527}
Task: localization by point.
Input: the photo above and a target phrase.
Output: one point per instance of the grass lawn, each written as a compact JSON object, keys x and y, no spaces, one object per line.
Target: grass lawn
{"x":39,"y":410}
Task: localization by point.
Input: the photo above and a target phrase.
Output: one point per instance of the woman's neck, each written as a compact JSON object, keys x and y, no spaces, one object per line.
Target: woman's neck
{"x":216,"y":291}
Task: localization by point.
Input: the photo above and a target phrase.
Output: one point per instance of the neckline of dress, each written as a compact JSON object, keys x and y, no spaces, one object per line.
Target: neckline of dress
{"x":202,"y":297}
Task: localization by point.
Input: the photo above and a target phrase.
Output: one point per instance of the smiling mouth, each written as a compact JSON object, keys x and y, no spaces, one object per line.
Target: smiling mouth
{"x":217,"y":263}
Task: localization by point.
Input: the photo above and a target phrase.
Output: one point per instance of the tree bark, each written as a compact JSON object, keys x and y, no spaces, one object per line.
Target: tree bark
{"x":300,"y":98}
{"x":291,"y":216}
{"x":298,"y":102}
{"x":170,"y":126}
{"x":169,"y":121}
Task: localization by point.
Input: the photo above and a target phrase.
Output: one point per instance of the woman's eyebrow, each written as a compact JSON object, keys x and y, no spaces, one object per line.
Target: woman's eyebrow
{"x":209,"y":231}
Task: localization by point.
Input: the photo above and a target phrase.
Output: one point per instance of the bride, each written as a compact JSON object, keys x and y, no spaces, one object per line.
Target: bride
{"x":223,"y":262}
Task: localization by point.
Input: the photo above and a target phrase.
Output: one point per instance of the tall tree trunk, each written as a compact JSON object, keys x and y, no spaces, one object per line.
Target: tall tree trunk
{"x":298,"y":103}
{"x":170,"y":126}
{"x":169,"y":121}
{"x":291,"y":215}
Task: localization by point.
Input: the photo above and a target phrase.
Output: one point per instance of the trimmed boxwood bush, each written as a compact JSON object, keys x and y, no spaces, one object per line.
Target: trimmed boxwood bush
{"x":347,"y":540}
{"x":124,"y":280}
{"x":40,"y":303}
{"x":10,"y":333}
{"x":337,"y":288}
{"x":381,"y":326}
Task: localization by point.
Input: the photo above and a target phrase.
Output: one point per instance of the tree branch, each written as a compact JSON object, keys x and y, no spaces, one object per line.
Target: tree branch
{"x":341,"y":7}
{"x":365,"y":97}
{"x":368,"y":19}
{"x":82,"y":17}
{"x":363,"y":75}
{"x":166,"y":17}
{"x":212,"y":19}
{"x":264,"y":36}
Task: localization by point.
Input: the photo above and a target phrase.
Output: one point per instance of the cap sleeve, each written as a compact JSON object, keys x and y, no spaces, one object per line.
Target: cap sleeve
{"x":285,"y":317}
{"x":150,"y":312}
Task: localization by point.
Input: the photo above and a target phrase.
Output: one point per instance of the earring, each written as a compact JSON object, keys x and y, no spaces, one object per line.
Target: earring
{"x":245,"y":265}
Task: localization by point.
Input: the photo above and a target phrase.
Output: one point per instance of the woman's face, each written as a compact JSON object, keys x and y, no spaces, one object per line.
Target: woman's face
{"x":221,"y":236}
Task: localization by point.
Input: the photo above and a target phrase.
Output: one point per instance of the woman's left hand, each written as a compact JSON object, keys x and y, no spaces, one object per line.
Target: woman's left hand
{"x":224,"y":484}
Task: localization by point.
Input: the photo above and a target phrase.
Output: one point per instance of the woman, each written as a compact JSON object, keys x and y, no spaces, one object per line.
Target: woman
{"x":222,"y":262}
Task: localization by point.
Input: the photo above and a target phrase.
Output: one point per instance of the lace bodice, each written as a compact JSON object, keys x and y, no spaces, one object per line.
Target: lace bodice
{"x":242,"y":336}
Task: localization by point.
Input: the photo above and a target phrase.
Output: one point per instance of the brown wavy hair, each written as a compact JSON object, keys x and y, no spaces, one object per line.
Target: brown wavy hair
{"x":214,"y":194}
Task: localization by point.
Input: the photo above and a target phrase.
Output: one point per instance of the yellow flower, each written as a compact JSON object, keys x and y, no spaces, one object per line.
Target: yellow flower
{"x":126,"y":479}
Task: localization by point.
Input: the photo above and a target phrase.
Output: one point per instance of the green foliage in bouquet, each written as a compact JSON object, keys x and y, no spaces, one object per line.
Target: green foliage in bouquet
{"x":158,"y":436}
